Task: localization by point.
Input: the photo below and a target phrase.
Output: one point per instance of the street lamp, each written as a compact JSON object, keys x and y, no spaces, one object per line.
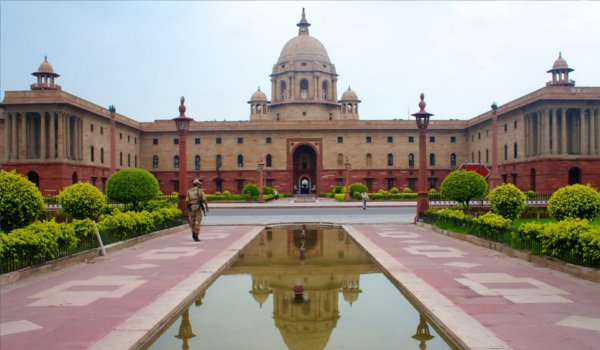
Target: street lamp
{"x":182,"y":123}
{"x":113,"y":139}
{"x":495,"y":173}
{"x":422,"y":119}
{"x":261,"y":168}
{"x":347,"y":179}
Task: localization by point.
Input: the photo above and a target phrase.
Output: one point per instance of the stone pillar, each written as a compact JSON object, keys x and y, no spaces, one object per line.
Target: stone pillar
{"x":22,"y":136}
{"x":554,"y":118}
{"x":14,"y":141}
{"x":316,"y":82}
{"x":68,"y":138}
{"x":564,"y":147}
{"x":594,"y":131}
{"x":43,"y":135}
{"x":274,"y":93}
{"x":526,"y":135}
{"x":582,"y":132}
{"x":80,"y":138}
{"x":7,"y":131}
{"x":293,"y":87}
{"x":52,"y":138}
{"x":334,"y":89}
{"x":546,"y":133}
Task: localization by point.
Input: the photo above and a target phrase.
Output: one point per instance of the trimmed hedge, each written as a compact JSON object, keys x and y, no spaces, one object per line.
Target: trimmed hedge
{"x":82,"y":200}
{"x":507,"y":200}
{"x":575,"y":201}
{"x":132,"y":186}
{"x":21,"y":202}
{"x":463,"y":185}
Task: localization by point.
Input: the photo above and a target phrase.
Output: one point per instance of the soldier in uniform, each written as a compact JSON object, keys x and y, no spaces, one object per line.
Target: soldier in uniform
{"x":196,"y":203}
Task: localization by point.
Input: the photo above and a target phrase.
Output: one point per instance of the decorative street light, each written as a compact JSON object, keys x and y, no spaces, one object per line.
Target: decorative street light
{"x":422,"y":119}
{"x":494,"y":178}
{"x":113,"y":139}
{"x":182,"y":123}
{"x":261,"y":172}
{"x":347,"y":179}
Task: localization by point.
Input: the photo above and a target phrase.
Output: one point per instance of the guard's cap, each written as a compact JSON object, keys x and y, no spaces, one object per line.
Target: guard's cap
{"x":197,"y":181}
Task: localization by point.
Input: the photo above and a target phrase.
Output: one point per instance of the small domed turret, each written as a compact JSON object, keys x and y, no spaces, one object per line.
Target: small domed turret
{"x":349,"y":103}
{"x":45,"y":77}
{"x":560,"y":73}
{"x":258,"y":105}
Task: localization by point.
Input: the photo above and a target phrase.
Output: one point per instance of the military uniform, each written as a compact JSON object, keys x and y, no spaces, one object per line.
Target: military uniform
{"x":195,"y":199}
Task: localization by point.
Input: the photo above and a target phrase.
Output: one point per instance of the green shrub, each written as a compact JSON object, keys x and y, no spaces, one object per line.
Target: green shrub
{"x":407,"y":190}
{"x":563,"y":237}
{"x":128,"y":224}
{"x":21,"y":202}
{"x":226,"y":194}
{"x":83,"y":228}
{"x":132,"y":186}
{"x":357,"y":187}
{"x":590,"y":244}
{"x":529,"y":231}
{"x":340,"y":197}
{"x":463,"y":186}
{"x":575,"y":201}
{"x":268,"y":191}
{"x":155,"y":204}
{"x":394,"y":190}
{"x":250,"y":189}
{"x":82,"y":200}
{"x":493,"y":223}
{"x":507,"y":200}
{"x":530,"y":194}
{"x":339,"y":189}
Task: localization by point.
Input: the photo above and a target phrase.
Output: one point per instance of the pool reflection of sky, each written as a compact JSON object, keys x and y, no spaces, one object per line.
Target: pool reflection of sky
{"x":231,"y":318}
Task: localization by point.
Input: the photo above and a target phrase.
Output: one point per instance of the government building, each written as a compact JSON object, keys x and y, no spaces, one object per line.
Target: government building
{"x":306,"y":133}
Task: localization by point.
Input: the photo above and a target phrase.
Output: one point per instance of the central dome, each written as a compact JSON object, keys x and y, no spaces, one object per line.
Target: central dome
{"x":305,"y":48}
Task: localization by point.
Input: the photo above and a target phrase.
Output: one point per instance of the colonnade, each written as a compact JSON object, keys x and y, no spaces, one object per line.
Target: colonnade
{"x":44,"y":135}
{"x":288,"y":89}
{"x":562,"y":131}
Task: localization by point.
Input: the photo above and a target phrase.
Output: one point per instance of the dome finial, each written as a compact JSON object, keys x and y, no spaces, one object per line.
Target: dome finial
{"x":303,"y":24}
{"x":182,"y":107}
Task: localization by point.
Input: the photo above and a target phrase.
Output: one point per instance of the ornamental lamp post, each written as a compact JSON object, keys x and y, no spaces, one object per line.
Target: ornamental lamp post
{"x":347,"y":178}
{"x":494,"y":178}
{"x":182,"y":123}
{"x":261,"y":172}
{"x":113,"y":139}
{"x":422,"y":119}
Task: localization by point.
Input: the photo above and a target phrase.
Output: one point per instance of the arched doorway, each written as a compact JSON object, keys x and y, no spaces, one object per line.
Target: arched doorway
{"x":304,"y":170}
{"x":75,"y":178}
{"x":574,"y":176}
{"x":34,"y":177}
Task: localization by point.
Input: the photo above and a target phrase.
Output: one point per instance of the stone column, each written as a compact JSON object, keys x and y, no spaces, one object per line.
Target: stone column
{"x":43,"y":135}
{"x":274,"y":94}
{"x":7,"y":131}
{"x":80,"y":138}
{"x":52,"y":138}
{"x":22,"y":136}
{"x":546,"y":132}
{"x":526,"y":133}
{"x":594,"y":135}
{"x":582,"y":132}
{"x":564,"y":147}
{"x":554,"y":119}
{"x":61,"y":136}
{"x":14,"y":142}
{"x":293,"y":88}
{"x":316,"y":82}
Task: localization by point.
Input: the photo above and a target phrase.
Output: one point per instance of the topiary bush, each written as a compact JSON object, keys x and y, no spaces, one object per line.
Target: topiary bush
{"x":132,"y":186}
{"x":250,"y":189}
{"x":394,"y":190}
{"x":575,"y":201}
{"x":82,"y":200}
{"x":563,"y":237}
{"x":507,"y":200}
{"x":21,"y":202}
{"x":463,"y":185}
{"x":407,"y":190}
{"x":268,"y":190}
{"x":493,"y":223}
{"x":357,"y":187}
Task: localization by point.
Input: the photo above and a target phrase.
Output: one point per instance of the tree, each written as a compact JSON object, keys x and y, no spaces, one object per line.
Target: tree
{"x":82,"y":200}
{"x":463,"y":185}
{"x":508,"y":201}
{"x":575,"y":201}
{"x":21,"y":202}
{"x":132,"y":186}
{"x":357,"y":187}
{"x":252,"y":189}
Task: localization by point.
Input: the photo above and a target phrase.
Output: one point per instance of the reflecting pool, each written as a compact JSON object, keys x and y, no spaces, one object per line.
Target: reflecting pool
{"x":301,"y":288}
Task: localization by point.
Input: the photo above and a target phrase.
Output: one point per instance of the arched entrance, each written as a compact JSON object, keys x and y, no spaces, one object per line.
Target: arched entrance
{"x":34,"y":177}
{"x":574,"y":176}
{"x":304,"y":170}
{"x":75,"y":178}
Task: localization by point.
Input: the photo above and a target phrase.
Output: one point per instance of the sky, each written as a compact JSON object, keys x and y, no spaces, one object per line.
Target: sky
{"x":142,"y":57}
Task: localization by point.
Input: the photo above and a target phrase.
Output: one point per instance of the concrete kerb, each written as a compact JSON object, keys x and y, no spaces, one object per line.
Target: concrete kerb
{"x":586,"y":273}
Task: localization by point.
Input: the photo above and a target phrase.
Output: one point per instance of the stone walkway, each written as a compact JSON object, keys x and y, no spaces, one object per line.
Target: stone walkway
{"x":486,"y":299}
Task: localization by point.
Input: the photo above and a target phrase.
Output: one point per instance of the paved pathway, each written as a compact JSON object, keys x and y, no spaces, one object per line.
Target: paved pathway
{"x":489,"y":300}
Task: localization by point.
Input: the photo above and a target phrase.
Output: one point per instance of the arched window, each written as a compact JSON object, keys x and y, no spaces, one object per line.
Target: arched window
{"x":411,"y":160}
{"x":515,"y":151}
{"x":240,"y":161}
{"x":432,"y":159}
{"x":304,"y":89}
{"x":369,"y":160}
{"x":176,"y":162}
{"x":269,"y":160}
{"x":340,"y":159}
{"x":92,"y":153}
{"x":453,"y":159}
{"x":155,"y":162}
{"x":197,"y":162}
{"x":218,"y":161}
{"x":390,"y":159}
{"x":324,"y":89}
{"x":283,"y":87}
{"x":102,"y":155}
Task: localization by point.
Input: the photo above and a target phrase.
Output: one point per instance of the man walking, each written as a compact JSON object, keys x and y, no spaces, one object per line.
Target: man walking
{"x":364,"y":197}
{"x":196,"y":203}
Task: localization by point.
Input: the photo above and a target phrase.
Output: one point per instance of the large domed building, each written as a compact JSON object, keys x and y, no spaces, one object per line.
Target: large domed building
{"x":304,"y":135}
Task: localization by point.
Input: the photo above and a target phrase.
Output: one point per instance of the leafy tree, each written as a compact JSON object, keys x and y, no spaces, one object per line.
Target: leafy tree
{"x":251,"y":189}
{"x":357,"y":187}
{"x":21,"y":202}
{"x":132,"y":186}
{"x":507,"y":200}
{"x":463,"y":185}
{"x":82,"y":200}
{"x":575,"y":201}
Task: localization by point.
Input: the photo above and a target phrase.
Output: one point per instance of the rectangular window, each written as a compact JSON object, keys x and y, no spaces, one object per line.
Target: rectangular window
{"x":390,"y":184}
{"x":92,"y":127}
{"x":240,"y":185}
{"x":505,"y":127}
{"x":479,"y":136}
{"x":218,"y":140}
{"x":390,"y":139}
{"x":431,"y":183}
{"x":101,"y":131}
{"x":268,"y":140}
{"x":197,"y":140}
{"x":411,"y":139}
{"x":120,"y":136}
{"x":515,"y":124}
{"x":453,"y":139}
{"x":340,"y":139}
{"x":411,"y":184}
{"x":240,"y":140}
{"x":176,"y":141}
{"x":128,"y":138}
{"x":155,"y":141}
{"x":270,"y":182}
{"x":135,"y":140}
{"x":368,"y":139}
{"x":432,"y":139}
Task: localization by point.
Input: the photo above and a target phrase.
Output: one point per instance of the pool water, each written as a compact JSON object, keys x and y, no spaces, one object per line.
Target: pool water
{"x":310,"y":288}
